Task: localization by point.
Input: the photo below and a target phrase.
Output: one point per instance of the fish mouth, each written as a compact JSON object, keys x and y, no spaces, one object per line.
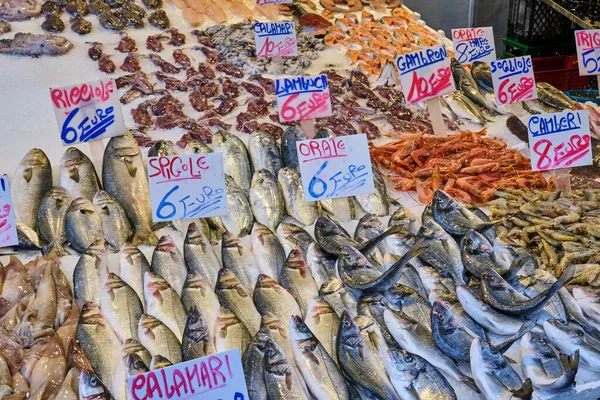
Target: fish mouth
{"x":165,"y":244}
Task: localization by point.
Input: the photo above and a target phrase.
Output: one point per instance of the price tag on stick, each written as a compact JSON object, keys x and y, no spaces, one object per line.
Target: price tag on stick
{"x":275,"y":39}
{"x":513,"y":80}
{"x":187,"y":186}
{"x":588,"y":52}
{"x":335,"y":167}
{"x":474,"y":44}
{"x":8,"y":226}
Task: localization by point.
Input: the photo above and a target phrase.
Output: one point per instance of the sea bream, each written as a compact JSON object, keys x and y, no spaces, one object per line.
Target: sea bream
{"x":51,"y":221}
{"x":77,"y":174}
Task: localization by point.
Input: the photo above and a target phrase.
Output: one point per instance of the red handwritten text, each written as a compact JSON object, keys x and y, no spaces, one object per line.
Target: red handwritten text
{"x":562,"y":155}
{"x":176,"y":168}
{"x":511,"y":92}
{"x":305,"y":106}
{"x":466,"y":35}
{"x":282,"y":48}
{"x":425,"y":88}
{"x":322,"y":149}
{"x":81,"y":94}
{"x":588,"y":40}
{"x":5,"y":225}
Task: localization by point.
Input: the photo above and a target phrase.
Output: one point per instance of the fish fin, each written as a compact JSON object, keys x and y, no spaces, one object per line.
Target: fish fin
{"x":130,"y":167}
{"x":261,"y":238}
{"x":145,"y":236}
{"x":55,"y":249}
{"x":309,"y":354}
{"x":515,"y":267}
{"x":111,"y":294}
{"x":470,"y":382}
{"x":28,"y":174}
{"x":367,"y":247}
{"x":240,"y":290}
{"x":74,"y":174}
{"x":570,"y":362}
{"x":361,"y":352}
{"x":283,"y":333}
{"x":510,"y":360}
{"x":105,"y":210}
{"x":526,"y":327}
{"x":150,"y":334}
{"x":86,"y":212}
{"x":525,"y":392}
{"x":288,"y":380}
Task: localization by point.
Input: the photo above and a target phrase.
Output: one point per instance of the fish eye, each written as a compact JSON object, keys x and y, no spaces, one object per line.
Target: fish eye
{"x":493,"y":350}
{"x":408,"y":358}
{"x":93,"y":381}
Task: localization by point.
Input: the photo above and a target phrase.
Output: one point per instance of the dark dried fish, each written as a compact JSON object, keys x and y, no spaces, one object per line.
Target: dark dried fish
{"x":159,"y":19}
{"x":131,"y":64}
{"x":230,"y":69}
{"x":163,"y":65}
{"x":181,"y":58}
{"x":53,"y":24}
{"x":109,"y":21}
{"x":177,"y":38}
{"x":106,"y":65}
{"x":126,"y":45}
{"x":80,"y":25}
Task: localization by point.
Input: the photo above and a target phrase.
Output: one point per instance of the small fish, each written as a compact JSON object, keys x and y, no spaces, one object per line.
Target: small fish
{"x":455,"y":218}
{"x":198,"y":292}
{"x":323,"y":322}
{"x":230,"y":332}
{"x":264,"y":153}
{"x":121,"y":306}
{"x":254,"y":366}
{"x":517,"y":128}
{"x":77,"y":174}
{"x":91,"y":269}
{"x":162,"y":148}
{"x":292,"y":236}
{"x":472,"y":93}
{"x":168,"y":263}
{"x":441,"y":251}
{"x":233,"y":296}
{"x":569,"y":338}
{"x":298,"y":280}
{"x":239,"y":220}
{"x":293,"y":195}
{"x":134,"y":366}
{"x":197,"y":341}
{"x":199,"y":254}
{"x":375,"y":203}
{"x":163,"y":303}
{"x":289,"y":152}
{"x":159,"y":339}
{"x":132,"y":267}
{"x":282,"y":381}
{"x":269,"y":296}
{"x":482,"y":74}
{"x":268,"y":251}
{"x":83,"y":225}
{"x":464,"y":108}
{"x":51,"y":221}
{"x":372,"y":306}
{"x":239,"y":259}
{"x":236,"y":159}
{"x":553,"y":97}
{"x":115,"y":225}
{"x":131,"y":346}
{"x":373,"y":338}
{"x":449,"y":335}
{"x":266,"y":199}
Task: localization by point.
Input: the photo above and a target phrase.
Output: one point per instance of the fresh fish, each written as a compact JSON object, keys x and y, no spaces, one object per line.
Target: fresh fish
{"x":239,"y":259}
{"x":269,"y":296}
{"x":168,"y":263}
{"x":115,"y":225}
{"x":441,"y":251}
{"x":433,"y":282}
{"x":553,"y":97}
{"x":159,"y":362}
{"x":292,"y":236}
{"x":464,"y":108}
{"x":16,"y":10}
{"x":239,"y":220}
{"x":459,"y":71}
{"x":298,"y":280}
{"x":199,"y":254}
{"x":472,"y":93}
{"x":197,"y":341}
{"x":321,"y":264}
{"x":124,"y":177}
{"x":233,"y":296}
{"x":547,"y":371}
{"x":372,"y":306}
{"x":162,"y":148}
{"x":493,"y":374}
{"x":369,"y":227}
{"x":163,"y":303}
{"x":90,"y":387}
{"x":267,"y":250}
{"x":83,"y":225}
{"x":373,"y":338}
{"x":131,"y":346}
{"x":236,"y":160}
{"x":196,"y":147}
{"x":478,"y":255}
{"x":569,"y":338}
{"x":536,"y":284}
{"x":406,"y":299}
{"x":414,"y":377}
{"x":293,"y":195}
{"x":282,"y":380}
{"x":100,"y":344}
{"x":29,"y":44}
{"x":289,"y":152}
{"x":453,"y":338}
{"x":31,"y":180}
{"x":280,"y":334}
{"x":197,"y":292}
{"x":447,"y":110}
{"x":318,"y":369}
{"x":266,"y":199}
{"x":132,"y":266}
{"x":264,"y":152}
{"x":230,"y":332}
{"x":538,"y":107}
{"x":134,"y":366}
{"x":358,"y":362}
{"x":121,"y":306}
{"x":51,"y":221}
{"x":455,"y":218}
{"x":517,"y":128}
{"x":375,"y":203}
{"x":77,"y":174}
{"x":323,"y":322}
{"x":28,"y":238}
{"x":587,"y":299}
{"x":340,"y":299}
{"x":159,"y":339}
{"x":89,"y":273}
{"x":254,"y":366}
{"x":482,"y":74}
{"x":405,"y":218}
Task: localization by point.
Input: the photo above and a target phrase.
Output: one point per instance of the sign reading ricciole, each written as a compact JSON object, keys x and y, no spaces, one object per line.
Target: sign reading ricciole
{"x":513,"y":80}
{"x":8,"y":226}
{"x":303,"y":97}
{"x":474,"y":44}
{"x":275,"y":39}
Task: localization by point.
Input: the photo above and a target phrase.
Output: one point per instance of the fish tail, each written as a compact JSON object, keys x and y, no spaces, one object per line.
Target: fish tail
{"x":570,"y":363}
{"x":470,"y":382}
{"x":525,"y":392}
{"x":526,"y":327}
{"x":145,"y":236}
{"x":54,"y":250}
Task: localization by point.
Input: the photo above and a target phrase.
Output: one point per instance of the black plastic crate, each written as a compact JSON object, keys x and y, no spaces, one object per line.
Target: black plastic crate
{"x":533,"y":22}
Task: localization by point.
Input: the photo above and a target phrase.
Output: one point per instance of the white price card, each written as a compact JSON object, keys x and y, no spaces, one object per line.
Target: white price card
{"x":275,"y":39}
{"x":218,"y":376}
{"x":187,"y":186}
{"x":335,"y":167}
{"x":88,"y":111}
{"x":425,"y":74}
{"x":559,"y":140}
{"x":8,"y":226}
{"x":303,"y":97}
{"x":272,"y":2}
{"x":513,"y":80}
{"x":588,"y":51}
{"x":474,"y":44}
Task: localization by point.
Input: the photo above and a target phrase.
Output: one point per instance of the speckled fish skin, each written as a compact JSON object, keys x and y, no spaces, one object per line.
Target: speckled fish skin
{"x":298,"y":280}
{"x":233,"y":296}
{"x":373,"y":338}
{"x":322,"y":265}
{"x":168,"y":263}
{"x":115,"y":225}
{"x":51,"y":220}
{"x":269,"y":296}
{"x":197,"y":341}
{"x":264,"y":152}
{"x":375,"y":203}
{"x":199,"y":254}
{"x":230,"y":332}
{"x":198,"y":292}
{"x":83,"y":225}
{"x":293,"y":195}
{"x":477,"y":254}
{"x":89,"y":273}
{"x":254,"y":366}
{"x":266,"y":199}
{"x":132,"y":266}
{"x":121,"y":306}
{"x":453,"y":217}
{"x":163,"y":302}
{"x":334,"y":292}
{"x":283,"y":382}
{"x":448,"y":335}
{"x":267,"y":250}
{"x":372,"y":305}
{"x":236,"y":159}
{"x":124,"y":177}
{"x":323,"y":322}
{"x":78,"y":175}
{"x":31,"y":180}
{"x":292,"y":236}
{"x":239,"y":259}
{"x":159,"y":339}
{"x":239,"y":220}
{"x":289,"y":152}
{"x":405,"y":299}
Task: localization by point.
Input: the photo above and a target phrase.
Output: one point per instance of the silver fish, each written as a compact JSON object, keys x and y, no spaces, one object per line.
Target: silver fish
{"x":569,"y":338}
{"x":195,"y":147}
{"x":293,"y":195}
{"x":266,"y":199}
{"x":482,"y":74}
{"x":232,"y":295}
{"x":83,"y":225}
{"x":477,"y":254}
{"x":407,"y":300}
{"x":254,"y":366}
{"x":29,"y":44}
{"x":322,"y":265}
{"x":464,"y":108}
{"x":289,"y":152}
{"x":239,"y":220}
{"x":159,"y":362}
{"x":28,"y":238}
{"x":163,"y":303}
{"x":131,"y":346}
{"x":134,"y":366}
{"x":121,"y":306}
{"x":132,"y":267}
{"x":292,"y":236}
{"x":334,"y":293}
{"x":239,"y":259}
{"x":159,"y":339}
{"x":91,"y":269}
{"x":453,"y":338}
{"x":236,"y":159}
{"x":268,"y":251}
{"x":375,"y":203}
{"x":280,"y":334}
{"x":373,"y":338}
{"x":470,"y":90}
{"x":441,"y":251}
{"x":90,"y":387}
{"x":587,"y":299}
{"x":323,"y":322}
{"x":536,"y":284}
{"x":270,"y":297}
{"x":264,"y":152}
{"x":51,"y":221}
{"x":124,"y":177}
{"x":281,"y":379}
{"x":457,"y":219}
{"x":197,"y":341}
{"x":31,"y":180}
{"x":369,"y":227}
{"x":199,"y":254}
{"x":197,"y":292}
{"x":298,"y":280}
{"x":167,"y":262}
{"x":372,"y":305}
{"x":230,"y":332}
{"x":115,"y":225}
{"x":552,"y":96}
{"x":77,"y":174}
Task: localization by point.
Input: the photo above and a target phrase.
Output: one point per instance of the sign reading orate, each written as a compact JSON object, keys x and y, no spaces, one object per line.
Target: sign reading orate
{"x":588,"y":51}
{"x":559,"y":140}
{"x":88,"y":111}
{"x":275,"y":39}
{"x":187,"y":186}
{"x":425,"y":74}
{"x":335,"y":167}
{"x":218,"y":376}
{"x":513,"y":80}
{"x":474,"y":44}
{"x":8,"y":227}
{"x":303,"y":97}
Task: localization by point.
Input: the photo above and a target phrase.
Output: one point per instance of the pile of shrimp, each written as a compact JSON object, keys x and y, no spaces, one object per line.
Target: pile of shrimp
{"x":370,"y":44}
{"x":195,"y":11}
{"x":468,"y":166}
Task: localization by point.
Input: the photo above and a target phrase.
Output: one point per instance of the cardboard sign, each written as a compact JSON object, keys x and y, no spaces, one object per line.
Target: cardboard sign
{"x":88,"y":111}
{"x":275,"y":39}
{"x":559,"y":140}
{"x":218,"y":376}
{"x":588,"y":51}
{"x":425,"y":74}
{"x":271,"y":2}
{"x":8,"y":226}
{"x":335,"y":167}
{"x":474,"y":44}
{"x":303,"y":97}
{"x":513,"y":80}
{"x":187,"y":186}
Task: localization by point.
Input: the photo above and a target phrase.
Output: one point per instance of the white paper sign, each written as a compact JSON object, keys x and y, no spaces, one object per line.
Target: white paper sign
{"x":218,"y":376}
{"x":303,"y":97}
{"x":8,"y":227}
{"x":275,"y":39}
{"x":425,"y":74}
{"x":474,"y":44}
{"x":187,"y":186}
{"x":513,"y":80}
{"x":88,"y":111}
{"x":335,"y":167}
{"x":559,"y":140}
{"x":588,"y":51}
{"x":271,"y":2}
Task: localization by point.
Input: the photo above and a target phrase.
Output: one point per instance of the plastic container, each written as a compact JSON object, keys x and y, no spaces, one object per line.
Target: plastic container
{"x":531,"y":22}
{"x":562,"y":72}
{"x":583,"y":96}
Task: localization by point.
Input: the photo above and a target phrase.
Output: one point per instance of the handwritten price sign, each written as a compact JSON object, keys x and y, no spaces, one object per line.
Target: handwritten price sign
{"x":513,"y":80}
{"x":275,"y":39}
{"x":271,"y":2}
{"x":303,"y":97}
{"x":474,"y":44}
{"x":187,"y":186}
{"x":559,"y":140}
{"x":218,"y":376}
{"x":425,"y":74}
{"x":88,"y":111}
{"x":335,"y":167}
{"x":8,"y":227}
{"x":588,"y":51}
